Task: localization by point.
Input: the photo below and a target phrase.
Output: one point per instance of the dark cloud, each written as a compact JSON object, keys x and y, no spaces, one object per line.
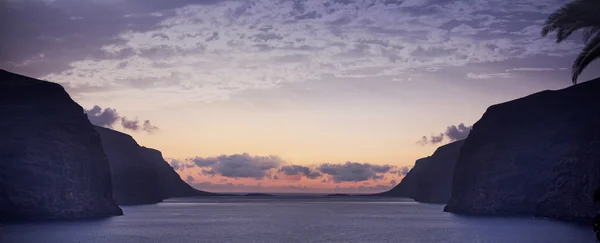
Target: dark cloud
{"x":208,"y":172}
{"x":393,"y":182}
{"x":61,"y":30}
{"x":180,"y":165}
{"x":455,"y":133}
{"x":204,"y":162}
{"x":175,"y":164}
{"x":297,"y":169}
{"x":148,"y":127}
{"x":190,"y":179}
{"x":452,"y":133}
{"x":240,"y":165}
{"x":382,"y":168}
{"x":108,"y":117}
{"x":354,"y":171}
{"x":102,"y":117}
{"x":401,"y":171}
{"x":130,"y":124}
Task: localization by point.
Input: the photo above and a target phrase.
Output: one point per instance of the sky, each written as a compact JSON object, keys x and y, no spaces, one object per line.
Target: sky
{"x":288,"y":96}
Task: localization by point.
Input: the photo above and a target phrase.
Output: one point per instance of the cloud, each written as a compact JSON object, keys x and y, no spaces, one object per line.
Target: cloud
{"x":180,"y":165}
{"x":130,"y":124}
{"x":239,"y":165}
{"x":208,"y":172}
{"x":455,"y":133}
{"x":452,"y":133}
{"x":213,"y":51}
{"x":175,"y":164}
{"x":190,"y":179}
{"x":148,"y":127}
{"x":273,"y":170}
{"x":526,"y":69}
{"x":204,"y":162}
{"x":400,"y":171}
{"x":488,"y":75}
{"x":108,"y":117}
{"x":102,"y":117}
{"x":393,"y":182}
{"x":297,"y":169}
{"x":354,"y":171}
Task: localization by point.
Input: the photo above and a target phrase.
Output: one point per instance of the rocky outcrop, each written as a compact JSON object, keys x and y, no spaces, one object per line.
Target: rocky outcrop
{"x":140,"y":175}
{"x":538,"y":155}
{"x":135,"y":181}
{"x":170,"y":183}
{"x":408,"y":186}
{"x":430,"y":180}
{"x":52,"y":165}
{"x":435,"y":182}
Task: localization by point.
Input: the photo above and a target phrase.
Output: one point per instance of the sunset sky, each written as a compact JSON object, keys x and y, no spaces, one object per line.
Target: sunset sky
{"x":288,"y":96}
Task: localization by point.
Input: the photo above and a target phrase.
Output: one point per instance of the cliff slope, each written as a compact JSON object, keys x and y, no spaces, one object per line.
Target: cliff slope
{"x":141,"y":175}
{"x":537,"y":155}
{"x":52,"y":165}
{"x":434,"y":184}
{"x":408,"y":186}
{"x":430,"y":180}
{"x":134,"y":180}
{"x":170,"y":183}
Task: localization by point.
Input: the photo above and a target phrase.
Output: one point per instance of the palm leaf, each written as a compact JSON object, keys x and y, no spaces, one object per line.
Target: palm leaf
{"x":590,"y":52}
{"x":573,"y":16}
{"x":589,"y":33}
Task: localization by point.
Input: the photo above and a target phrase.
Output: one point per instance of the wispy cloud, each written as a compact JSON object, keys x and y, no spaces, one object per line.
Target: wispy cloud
{"x":214,"y":51}
{"x":489,"y":75}
{"x":529,"y":69}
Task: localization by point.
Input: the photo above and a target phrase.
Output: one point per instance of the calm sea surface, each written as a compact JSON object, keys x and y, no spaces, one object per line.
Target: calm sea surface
{"x":296,"y":220}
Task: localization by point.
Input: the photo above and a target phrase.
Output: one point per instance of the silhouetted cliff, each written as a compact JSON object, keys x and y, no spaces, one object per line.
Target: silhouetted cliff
{"x":536,"y":155}
{"x":135,"y":181}
{"x":52,"y":165}
{"x":409,"y":184}
{"x":170,"y":184}
{"x":141,"y":175}
{"x":430,"y":180}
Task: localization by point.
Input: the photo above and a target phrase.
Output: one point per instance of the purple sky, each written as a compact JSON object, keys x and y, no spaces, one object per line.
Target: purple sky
{"x":312,"y":83}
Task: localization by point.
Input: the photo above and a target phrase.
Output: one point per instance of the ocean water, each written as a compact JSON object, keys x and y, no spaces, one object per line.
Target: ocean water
{"x":274,"y":219}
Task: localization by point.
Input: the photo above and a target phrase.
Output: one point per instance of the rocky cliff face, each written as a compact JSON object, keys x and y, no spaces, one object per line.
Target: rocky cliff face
{"x":430,"y":180}
{"x":134,"y":180}
{"x":170,"y":184}
{"x":409,"y":184}
{"x":52,"y":165}
{"x":536,"y":155}
{"x":141,"y":175}
{"x":435,"y":182}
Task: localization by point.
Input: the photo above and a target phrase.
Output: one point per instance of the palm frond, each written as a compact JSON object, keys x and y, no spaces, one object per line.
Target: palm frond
{"x":573,"y":16}
{"x":589,"y":33}
{"x":590,"y":52}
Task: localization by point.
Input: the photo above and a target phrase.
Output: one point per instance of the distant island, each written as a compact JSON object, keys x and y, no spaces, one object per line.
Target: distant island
{"x":259,"y":195}
{"x":337,"y":195}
